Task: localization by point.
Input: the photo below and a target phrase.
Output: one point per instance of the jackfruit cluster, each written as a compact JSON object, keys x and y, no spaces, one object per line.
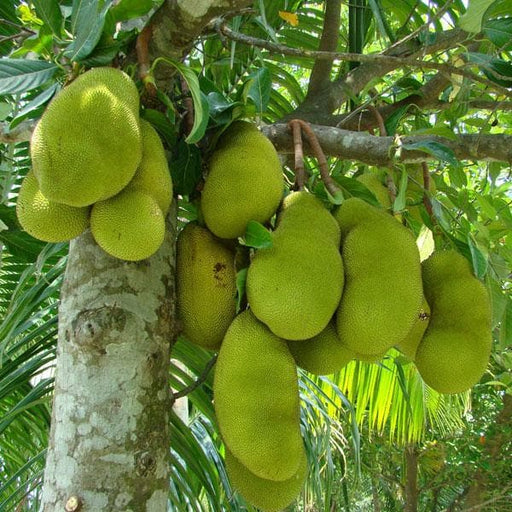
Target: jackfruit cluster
{"x":331,"y":287}
{"x":95,"y":163}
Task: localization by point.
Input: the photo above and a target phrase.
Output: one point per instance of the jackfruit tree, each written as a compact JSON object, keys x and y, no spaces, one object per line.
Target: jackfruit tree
{"x":250,"y":247}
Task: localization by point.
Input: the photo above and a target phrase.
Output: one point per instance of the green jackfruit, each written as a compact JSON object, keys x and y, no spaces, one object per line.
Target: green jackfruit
{"x":87,"y":145}
{"x":47,"y":220}
{"x":129,"y":226}
{"x":409,"y":345}
{"x":455,"y":349}
{"x":323,"y":354}
{"x":294,"y":287}
{"x":256,"y":400}
{"x":383,"y":289}
{"x":205,"y":286}
{"x":267,"y":495}
{"x":245,"y":182}
{"x":153,"y":176}
{"x":375,"y":185}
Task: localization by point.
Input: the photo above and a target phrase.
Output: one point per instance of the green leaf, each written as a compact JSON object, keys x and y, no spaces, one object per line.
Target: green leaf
{"x":257,"y":236}
{"x":436,"y":149}
{"x":393,"y":120}
{"x":492,"y":67}
{"x":200,"y":101}
{"x":129,"y":9}
{"x":499,"y":32}
{"x":185,"y":168}
{"x":87,"y":25}
{"x":401,"y":198}
{"x":33,"y":105}
{"x":353,"y":187}
{"x":49,"y":12}
{"x":471,"y":21}
{"x":506,"y":327}
{"x":241,"y":279}
{"x":257,"y":89}
{"x":478,"y":258}
{"x":20,"y":75}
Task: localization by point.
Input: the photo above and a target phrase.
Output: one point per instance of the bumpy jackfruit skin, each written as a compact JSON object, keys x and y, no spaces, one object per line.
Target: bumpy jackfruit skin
{"x":455,"y":350}
{"x":374,"y":185}
{"x":301,"y":210}
{"x":87,"y":145}
{"x":294,"y":287}
{"x":245,"y":182}
{"x":267,"y":495}
{"x":323,"y":354}
{"x":205,"y":286}
{"x":383,"y":289}
{"x":153,"y":176}
{"x":46,"y":220}
{"x":129,"y":226}
{"x":256,"y":400}
{"x":409,"y":345}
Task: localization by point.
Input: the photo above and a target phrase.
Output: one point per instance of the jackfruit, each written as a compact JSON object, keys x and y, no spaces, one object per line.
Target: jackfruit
{"x":267,"y":495}
{"x":245,"y":182}
{"x":456,"y":346}
{"x":205,"y":286}
{"x":409,"y":345}
{"x":47,"y":220}
{"x":87,"y":145}
{"x":256,"y":400}
{"x":383,"y":289}
{"x":129,"y":226}
{"x":323,"y":354}
{"x":375,"y":185}
{"x":294,"y":287}
{"x":153,"y":176}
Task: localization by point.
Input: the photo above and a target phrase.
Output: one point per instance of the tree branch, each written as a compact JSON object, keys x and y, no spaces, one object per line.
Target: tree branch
{"x":188,"y":389}
{"x":321,"y":72}
{"x":386,"y":151}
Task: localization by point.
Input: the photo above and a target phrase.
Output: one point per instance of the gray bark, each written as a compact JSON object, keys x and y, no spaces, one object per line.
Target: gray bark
{"x":109,"y":440}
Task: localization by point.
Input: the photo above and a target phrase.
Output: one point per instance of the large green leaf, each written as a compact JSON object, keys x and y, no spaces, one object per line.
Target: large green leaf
{"x":21,"y":75}
{"x":499,"y":31}
{"x":49,"y":12}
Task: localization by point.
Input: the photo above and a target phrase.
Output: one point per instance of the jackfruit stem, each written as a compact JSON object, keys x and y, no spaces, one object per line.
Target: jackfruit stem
{"x":426,"y":186}
{"x":300,"y":174}
{"x":329,"y":183}
{"x":142,"y":49}
{"x":380,"y":120}
{"x":191,"y":387}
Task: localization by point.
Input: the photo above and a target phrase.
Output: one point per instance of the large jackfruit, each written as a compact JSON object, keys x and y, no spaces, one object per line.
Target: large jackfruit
{"x":267,"y":495}
{"x":256,"y":400}
{"x":323,"y":354}
{"x":456,"y":346}
{"x":153,"y":176}
{"x":87,"y":145}
{"x":383,"y":290}
{"x":294,"y":287}
{"x":129,"y":226}
{"x":375,"y":185}
{"x":47,"y":220}
{"x":245,"y":182}
{"x":206,"y":286}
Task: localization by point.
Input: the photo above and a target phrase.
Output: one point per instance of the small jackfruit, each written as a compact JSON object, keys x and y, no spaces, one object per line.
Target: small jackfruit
{"x":456,"y":346}
{"x":323,"y":354}
{"x":375,"y":185}
{"x":205,"y":286}
{"x":267,"y":495}
{"x":256,"y":399}
{"x":409,"y":345}
{"x":153,"y":176}
{"x":294,"y":287}
{"x":245,"y":182}
{"x":383,"y":290}
{"x":47,"y":220}
{"x":87,"y":145}
{"x":129,"y":226}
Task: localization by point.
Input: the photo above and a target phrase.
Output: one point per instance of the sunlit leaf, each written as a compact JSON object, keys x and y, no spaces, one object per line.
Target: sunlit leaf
{"x":289,"y":17}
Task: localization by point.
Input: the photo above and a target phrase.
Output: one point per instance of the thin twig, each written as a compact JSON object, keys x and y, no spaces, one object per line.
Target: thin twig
{"x":329,"y":183}
{"x":380,"y":120}
{"x":426,"y":187}
{"x":394,"y":61}
{"x":142,"y":49}
{"x":300,"y":174}
{"x":188,"y":389}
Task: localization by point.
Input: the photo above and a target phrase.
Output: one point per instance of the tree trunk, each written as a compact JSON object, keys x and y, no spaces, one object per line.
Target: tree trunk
{"x":109,"y":440}
{"x":411,"y":475}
